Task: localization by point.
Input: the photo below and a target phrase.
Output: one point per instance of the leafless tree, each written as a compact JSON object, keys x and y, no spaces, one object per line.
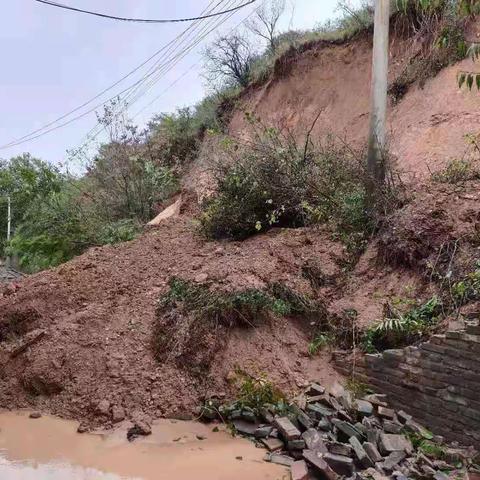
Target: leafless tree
{"x":229,"y":58}
{"x":265,"y":21}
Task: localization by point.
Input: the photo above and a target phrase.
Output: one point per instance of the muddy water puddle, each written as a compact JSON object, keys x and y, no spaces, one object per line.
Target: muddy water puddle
{"x":50,"y":449}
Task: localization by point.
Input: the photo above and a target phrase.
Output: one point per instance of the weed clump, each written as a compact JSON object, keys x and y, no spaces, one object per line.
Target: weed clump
{"x":255,"y":397}
{"x":320,"y":341}
{"x":467,"y":289}
{"x":193,"y":319}
{"x":401,"y":329}
{"x":457,"y":171}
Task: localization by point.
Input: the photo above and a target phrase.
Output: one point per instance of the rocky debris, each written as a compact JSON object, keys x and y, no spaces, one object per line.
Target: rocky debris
{"x":140,"y":428}
{"x":82,"y":428}
{"x":299,"y":470}
{"x":272,"y":444}
{"x":279,"y":459}
{"x":287,"y":429}
{"x":319,"y":465}
{"x":35,"y":415}
{"x":103,"y":407}
{"x":118,"y":414}
{"x":336,"y":436}
{"x":314,"y":440}
{"x":244,"y":427}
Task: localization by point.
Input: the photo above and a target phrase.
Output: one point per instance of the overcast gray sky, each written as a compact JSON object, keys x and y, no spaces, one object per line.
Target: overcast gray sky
{"x":54,"y":60}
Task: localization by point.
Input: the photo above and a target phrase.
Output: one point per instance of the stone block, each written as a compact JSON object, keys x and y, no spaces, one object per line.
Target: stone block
{"x":393,"y":460}
{"x":340,"y":449}
{"x":299,"y":470}
{"x":363,"y":407}
{"x":319,"y":411}
{"x":360,"y":452}
{"x":272,"y":444}
{"x":340,"y":464}
{"x":279,"y":459}
{"x":347,"y":429}
{"x":320,"y":466}
{"x":372,"y":452}
{"x":386,"y":412}
{"x":314,"y":440}
{"x":389,"y":443}
{"x":287,"y":429}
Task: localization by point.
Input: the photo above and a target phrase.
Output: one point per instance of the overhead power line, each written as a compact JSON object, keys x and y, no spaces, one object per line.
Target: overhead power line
{"x":158,"y":71}
{"x":39,"y":131}
{"x":169,"y":63}
{"x":143,"y":20}
{"x":97,"y":129}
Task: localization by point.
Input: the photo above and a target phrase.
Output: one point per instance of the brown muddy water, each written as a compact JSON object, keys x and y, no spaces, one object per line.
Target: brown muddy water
{"x":50,"y":449}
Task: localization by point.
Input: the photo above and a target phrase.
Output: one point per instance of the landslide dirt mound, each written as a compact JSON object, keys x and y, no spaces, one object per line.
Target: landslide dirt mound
{"x":98,"y":312}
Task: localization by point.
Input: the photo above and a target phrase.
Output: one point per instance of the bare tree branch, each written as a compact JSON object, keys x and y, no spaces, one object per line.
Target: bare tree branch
{"x":265,"y":21}
{"x":230,"y":58}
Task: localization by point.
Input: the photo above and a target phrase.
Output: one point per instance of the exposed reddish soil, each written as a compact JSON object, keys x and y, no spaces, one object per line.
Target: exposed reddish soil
{"x":427,"y":127}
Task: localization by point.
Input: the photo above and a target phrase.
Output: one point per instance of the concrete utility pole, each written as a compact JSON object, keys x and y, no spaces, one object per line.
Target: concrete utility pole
{"x":9,"y":227}
{"x":378,"y":111}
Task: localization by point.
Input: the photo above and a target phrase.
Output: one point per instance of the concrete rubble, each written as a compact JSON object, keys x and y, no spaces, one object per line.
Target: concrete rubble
{"x":336,"y":436}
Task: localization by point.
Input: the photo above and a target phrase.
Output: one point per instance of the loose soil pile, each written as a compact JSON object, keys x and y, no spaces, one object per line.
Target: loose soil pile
{"x":94,"y":318}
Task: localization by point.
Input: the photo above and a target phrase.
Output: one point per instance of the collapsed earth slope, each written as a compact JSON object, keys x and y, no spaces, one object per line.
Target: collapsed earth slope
{"x":77,"y":340}
{"x":427,"y":127}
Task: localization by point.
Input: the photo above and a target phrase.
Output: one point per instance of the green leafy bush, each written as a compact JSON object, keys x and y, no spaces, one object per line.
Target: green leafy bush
{"x":255,"y":393}
{"x":276,"y":181}
{"x":237,"y":307}
{"x":399,"y":330}
{"x":193,"y":319}
{"x":117,"y":232}
{"x":27,"y":181}
{"x":437,"y":31}
{"x":319,"y":342}
{"x":61,"y":226}
{"x":467,"y":289}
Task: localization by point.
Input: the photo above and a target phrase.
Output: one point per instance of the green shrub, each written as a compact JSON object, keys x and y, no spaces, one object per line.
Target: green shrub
{"x":117,"y":232}
{"x":193,"y":319}
{"x":241,"y":307}
{"x":275,"y":181}
{"x":320,"y":341}
{"x":399,"y":330}
{"x":457,"y":171}
{"x":255,"y":393}
{"x":437,"y":30}
{"x":467,"y":289}
{"x":61,"y":226}
{"x":238,"y":307}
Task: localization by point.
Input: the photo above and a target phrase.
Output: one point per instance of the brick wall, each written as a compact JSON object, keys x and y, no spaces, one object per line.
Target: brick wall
{"x":438,"y":382}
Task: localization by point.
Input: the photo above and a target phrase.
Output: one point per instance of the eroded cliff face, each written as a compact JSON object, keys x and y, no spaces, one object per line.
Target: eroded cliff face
{"x":427,"y":127}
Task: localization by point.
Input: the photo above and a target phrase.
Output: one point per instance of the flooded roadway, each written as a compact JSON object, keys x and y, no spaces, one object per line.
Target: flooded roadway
{"x":50,"y":449}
